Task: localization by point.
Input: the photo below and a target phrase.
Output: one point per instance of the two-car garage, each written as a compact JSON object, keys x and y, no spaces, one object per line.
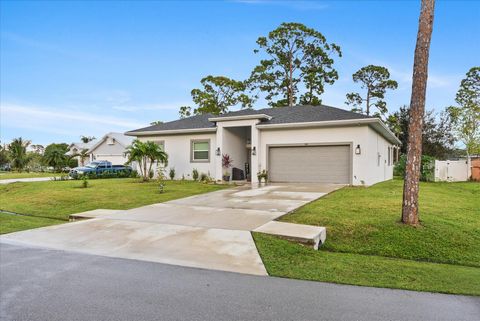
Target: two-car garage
{"x":310,"y":164}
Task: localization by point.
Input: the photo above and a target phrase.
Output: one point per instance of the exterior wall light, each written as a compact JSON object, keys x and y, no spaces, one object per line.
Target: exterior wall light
{"x":217,"y":152}
{"x":254,"y":150}
{"x":358,"y":150}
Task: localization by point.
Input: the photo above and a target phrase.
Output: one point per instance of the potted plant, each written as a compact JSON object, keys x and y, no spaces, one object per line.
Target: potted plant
{"x":262,"y":175}
{"x":226,"y":164}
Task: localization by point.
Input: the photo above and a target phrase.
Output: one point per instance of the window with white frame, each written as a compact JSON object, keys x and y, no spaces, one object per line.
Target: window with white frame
{"x":161,"y":143}
{"x":200,"y":150}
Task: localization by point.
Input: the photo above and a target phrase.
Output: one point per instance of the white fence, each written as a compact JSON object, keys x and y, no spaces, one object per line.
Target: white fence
{"x":452,"y":171}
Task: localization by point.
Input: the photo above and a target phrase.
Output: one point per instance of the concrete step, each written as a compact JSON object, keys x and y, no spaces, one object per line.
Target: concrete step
{"x":92,"y":214}
{"x":306,"y":234}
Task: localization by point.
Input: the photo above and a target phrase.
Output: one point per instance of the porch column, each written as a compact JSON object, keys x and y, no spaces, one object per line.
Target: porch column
{"x":255,"y":159}
{"x":218,"y":158}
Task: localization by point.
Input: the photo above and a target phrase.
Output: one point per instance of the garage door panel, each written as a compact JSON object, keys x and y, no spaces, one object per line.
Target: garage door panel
{"x":315,"y":164}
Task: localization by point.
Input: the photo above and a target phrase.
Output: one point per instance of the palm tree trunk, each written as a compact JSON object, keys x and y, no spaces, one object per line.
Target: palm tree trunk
{"x":417,"y":109}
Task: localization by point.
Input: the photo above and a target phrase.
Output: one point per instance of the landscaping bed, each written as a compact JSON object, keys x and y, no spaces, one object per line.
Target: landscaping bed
{"x":51,"y":202}
{"x":367,"y":245}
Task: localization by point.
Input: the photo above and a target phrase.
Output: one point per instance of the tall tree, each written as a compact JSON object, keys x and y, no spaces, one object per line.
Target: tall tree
{"x":437,"y":138}
{"x":466,"y":116}
{"x":17,"y":150}
{"x":217,"y":96}
{"x":4,"y":157}
{"x":185,"y":111}
{"x":376,"y":80}
{"x":296,"y":54}
{"x":55,"y":157}
{"x":417,"y":108}
{"x":87,"y":139}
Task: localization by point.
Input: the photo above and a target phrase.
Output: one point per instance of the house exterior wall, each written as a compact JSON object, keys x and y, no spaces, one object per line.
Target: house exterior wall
{"x":114,"y":153}
{"x":364,"y":166}
{"x":368,"y":168}
{"x":178,"y":148}
{"x":378,"y":166}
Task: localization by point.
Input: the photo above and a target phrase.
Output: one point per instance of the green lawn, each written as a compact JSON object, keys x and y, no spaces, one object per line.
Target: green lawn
{"x":9,"y":175}
{"x":367,"y":245}
{"x":55,"y":200}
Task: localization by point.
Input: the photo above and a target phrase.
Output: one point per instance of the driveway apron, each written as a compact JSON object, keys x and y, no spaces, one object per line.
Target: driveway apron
{"x":211,"y":231}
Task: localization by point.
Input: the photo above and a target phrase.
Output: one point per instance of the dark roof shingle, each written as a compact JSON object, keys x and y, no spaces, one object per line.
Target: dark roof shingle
{"x":280,"y":115}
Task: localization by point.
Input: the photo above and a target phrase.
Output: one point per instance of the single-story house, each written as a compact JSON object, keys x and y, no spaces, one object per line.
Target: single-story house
{"x":77,"y":148}
{"x":311,"y":144}
{"x":111,"y":147}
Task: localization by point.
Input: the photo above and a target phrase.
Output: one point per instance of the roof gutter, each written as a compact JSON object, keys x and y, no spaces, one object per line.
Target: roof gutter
{"x":376,"y":123}
{"x":171,"y":132}
{"x":242,"y":117}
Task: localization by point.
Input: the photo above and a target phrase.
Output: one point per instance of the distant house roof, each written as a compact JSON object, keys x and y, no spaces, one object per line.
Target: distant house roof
{"x":279,"y":115}
{"x":121,"y":138}
{"x":79,"y":146}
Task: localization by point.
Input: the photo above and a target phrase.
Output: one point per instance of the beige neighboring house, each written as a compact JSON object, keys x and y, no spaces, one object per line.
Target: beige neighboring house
{"x":307,"y":144}
{"x":111,"y":147}
{"x":76,"y":148}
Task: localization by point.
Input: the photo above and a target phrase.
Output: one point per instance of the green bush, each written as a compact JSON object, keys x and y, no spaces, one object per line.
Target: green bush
{"x":195,"y":174}
{"x":107,"y":174}
{"x":171,"y":173}
{"x":427,"y":172}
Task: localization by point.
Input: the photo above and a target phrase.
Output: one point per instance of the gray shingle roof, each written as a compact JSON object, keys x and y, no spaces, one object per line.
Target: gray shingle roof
{"x":280,"y":115}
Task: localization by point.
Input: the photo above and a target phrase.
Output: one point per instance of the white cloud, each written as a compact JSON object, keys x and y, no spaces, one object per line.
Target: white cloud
{"x":64,"y":124}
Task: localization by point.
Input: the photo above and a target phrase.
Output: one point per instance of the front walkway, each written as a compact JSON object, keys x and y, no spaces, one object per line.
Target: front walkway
{"x":210,"y":231}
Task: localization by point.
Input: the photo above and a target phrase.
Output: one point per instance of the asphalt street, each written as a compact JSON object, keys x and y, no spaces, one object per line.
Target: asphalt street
{"x":41,"y":284}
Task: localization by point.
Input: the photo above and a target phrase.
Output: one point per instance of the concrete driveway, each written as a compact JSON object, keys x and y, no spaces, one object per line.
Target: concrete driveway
{"x":208,"y":231}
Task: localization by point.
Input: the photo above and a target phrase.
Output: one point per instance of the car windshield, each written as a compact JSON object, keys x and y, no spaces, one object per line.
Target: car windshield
{"x":92,"y":165}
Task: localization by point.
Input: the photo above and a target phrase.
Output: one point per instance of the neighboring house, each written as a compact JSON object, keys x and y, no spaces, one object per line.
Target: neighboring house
{"x":318,"y":144}
{"x":76,"y":149}
{"x":111,"y":147}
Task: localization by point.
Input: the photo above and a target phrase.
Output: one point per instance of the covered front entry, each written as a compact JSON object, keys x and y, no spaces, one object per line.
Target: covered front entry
{"x":310,"y":164}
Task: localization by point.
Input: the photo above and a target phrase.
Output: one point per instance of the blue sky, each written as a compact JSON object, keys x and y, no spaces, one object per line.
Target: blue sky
{"x":86,"y":68}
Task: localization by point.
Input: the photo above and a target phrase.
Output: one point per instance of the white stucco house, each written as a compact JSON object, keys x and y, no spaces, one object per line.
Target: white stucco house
{"x":77,"y":148}
{"x":310,"y":144}
{"x":111,"y":147}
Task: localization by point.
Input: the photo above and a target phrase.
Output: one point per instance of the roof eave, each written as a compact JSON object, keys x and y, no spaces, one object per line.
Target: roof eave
{"x":171,"y":132}
{"x":241,"y":117}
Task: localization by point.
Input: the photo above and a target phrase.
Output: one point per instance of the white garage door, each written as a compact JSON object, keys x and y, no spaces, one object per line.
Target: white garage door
{"x":114,"y":159}
{"x":310,"y":164}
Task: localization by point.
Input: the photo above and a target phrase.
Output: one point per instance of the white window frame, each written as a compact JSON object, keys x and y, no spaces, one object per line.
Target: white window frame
{"x":192,"y":152}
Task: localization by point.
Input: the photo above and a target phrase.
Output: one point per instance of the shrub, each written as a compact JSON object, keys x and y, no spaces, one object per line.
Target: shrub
{"x":203,"y":177}
{"x":427,"y":172}
{"x":171,"y":173}
{"x":84,"y":181}
{"x":134,"y":174}
{"x":151,"y":174}
{"x":262,"y":175}
{"x":195,"y":174}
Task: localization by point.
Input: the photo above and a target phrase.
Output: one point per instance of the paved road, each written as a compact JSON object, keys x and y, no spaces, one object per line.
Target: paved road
{"x":31,"y":179}
{"x":40,"y":284}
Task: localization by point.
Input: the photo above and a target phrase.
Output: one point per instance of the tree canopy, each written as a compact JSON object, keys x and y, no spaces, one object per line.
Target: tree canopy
{"x":297,"y":57}
{"x":17,"y":151}
{"x":376,"y":80}
{"x":437,"y":138}
{"x":466,"y":116}
{"x":218,"y":94}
